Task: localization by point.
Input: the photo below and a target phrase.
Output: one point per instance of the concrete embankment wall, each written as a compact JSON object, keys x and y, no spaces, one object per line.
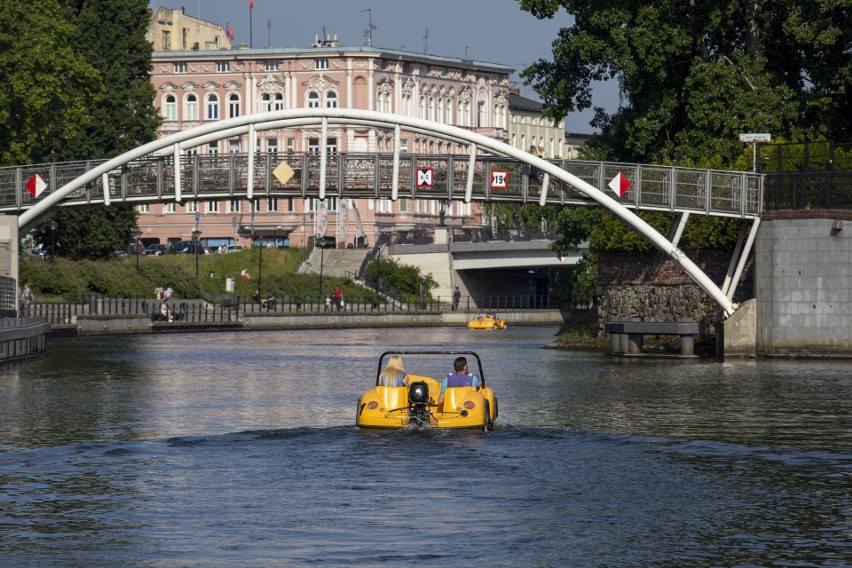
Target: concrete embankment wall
{"x":803,"y":262}
{"x":21,"y":338}
{"x":110,"y":325}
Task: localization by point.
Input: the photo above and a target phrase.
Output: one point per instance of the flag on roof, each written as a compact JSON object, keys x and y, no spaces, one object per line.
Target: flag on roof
{"x":228,"y":32}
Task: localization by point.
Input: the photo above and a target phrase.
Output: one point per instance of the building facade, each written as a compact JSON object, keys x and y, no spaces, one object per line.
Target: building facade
{"x":196,"y":87}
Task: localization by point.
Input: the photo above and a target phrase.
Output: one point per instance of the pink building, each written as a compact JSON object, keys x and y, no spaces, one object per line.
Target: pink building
{"x":198,"y":86}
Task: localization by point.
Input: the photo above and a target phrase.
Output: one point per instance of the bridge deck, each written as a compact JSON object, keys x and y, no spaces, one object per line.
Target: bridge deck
{"x":214,"y":177}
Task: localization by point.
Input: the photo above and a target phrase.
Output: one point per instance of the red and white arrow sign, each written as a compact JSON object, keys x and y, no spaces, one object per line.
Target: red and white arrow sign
{"x":36,"y":185}
{"x":620,"y":184}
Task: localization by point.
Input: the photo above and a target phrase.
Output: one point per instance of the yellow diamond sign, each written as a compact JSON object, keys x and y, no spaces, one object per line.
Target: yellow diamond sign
{"x":283,"y":172}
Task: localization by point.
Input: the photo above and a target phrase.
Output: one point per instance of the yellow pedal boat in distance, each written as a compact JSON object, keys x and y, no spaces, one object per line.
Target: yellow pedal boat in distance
{"x":416,"y":405}
{"x":486,"y":321}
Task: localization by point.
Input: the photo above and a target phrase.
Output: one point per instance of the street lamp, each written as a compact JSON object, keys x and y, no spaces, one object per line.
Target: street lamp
{"x":322,"y":259}
{"x":195,"y":234}
{"x":137,"y":233}
{"x":260,"y":269}
{"x":53,"y":226}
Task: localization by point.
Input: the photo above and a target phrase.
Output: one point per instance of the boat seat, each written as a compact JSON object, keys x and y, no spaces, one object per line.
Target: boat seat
{"x":454,"y":396}
{"x":392,"y":397}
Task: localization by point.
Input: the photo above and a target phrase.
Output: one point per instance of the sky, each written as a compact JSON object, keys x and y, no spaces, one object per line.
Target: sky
{"x":493,"y":31}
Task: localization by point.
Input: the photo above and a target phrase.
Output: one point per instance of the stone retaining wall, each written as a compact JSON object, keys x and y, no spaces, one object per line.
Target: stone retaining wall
{"x":652,"y":287}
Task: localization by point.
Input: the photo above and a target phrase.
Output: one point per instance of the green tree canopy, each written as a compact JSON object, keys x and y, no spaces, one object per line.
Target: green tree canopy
{"x":76,"y":87}
{"x":695,"y":74}
{"x":47,"y":87}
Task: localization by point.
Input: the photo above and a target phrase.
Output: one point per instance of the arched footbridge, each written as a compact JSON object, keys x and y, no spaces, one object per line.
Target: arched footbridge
{"x":490,"y":170}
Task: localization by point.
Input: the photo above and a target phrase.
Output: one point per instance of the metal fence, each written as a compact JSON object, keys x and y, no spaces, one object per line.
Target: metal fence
{"x":810,"y":175}
{"x":235,"y":308}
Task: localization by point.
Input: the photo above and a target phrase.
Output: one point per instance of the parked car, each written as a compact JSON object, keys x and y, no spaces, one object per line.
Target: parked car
{"x":234,"y":248}
{"x":189,"y":247}
{"x":155,"y":249}
{"x":326,"y":242}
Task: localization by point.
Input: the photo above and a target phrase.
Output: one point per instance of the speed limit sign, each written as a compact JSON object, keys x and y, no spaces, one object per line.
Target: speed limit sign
{"x":499,"y":179}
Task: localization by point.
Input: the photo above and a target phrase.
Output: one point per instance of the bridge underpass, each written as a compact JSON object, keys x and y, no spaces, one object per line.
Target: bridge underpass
{"x":491,"y":171}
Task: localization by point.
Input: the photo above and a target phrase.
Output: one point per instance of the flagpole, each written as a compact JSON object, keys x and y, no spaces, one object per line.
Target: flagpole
{"x":251,"y":21}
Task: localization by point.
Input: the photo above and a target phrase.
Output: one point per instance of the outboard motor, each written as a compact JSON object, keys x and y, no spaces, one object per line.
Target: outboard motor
{"x":418,"y":403}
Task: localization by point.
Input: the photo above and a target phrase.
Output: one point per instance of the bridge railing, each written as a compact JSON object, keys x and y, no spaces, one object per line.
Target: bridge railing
{"x":364,"y":175}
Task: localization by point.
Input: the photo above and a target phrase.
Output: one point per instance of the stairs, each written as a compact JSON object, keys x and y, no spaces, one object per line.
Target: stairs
{"x":335,"y":262}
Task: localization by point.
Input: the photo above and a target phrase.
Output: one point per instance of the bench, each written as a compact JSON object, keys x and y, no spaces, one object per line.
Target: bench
{"x":626,"y":335}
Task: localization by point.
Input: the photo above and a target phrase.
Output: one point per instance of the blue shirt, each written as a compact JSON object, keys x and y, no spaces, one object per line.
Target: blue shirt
{"x":474,"y":381}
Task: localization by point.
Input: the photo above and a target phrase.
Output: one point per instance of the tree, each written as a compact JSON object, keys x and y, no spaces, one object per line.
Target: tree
{"x":111,"y":37}
{"x":90,"y":233}
{"x":47,"y":86}
{"x":693,"y":75}
{"x":77,"y":83}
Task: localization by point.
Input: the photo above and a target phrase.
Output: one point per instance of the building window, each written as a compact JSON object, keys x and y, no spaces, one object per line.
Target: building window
{"x":331,"y":100}
{"x":290,"y":205}
{"x":291,"y":145}
{"x":169,"y":107}
{"x":272,"y":146}
{"x":265,"y":102}
{"x":403,"y":205}
{"x":169,"y":207}
{"x":271,"y":65}
{"x":233,"y":105}
{"x":313,"y":99}
{"x":212,"y":206}
{"x":383,"y":206}
{"x":313,"y":145}
{"x":321,"y":63}
{"x":234,"y":206}
{"x":191,"y":206}
{"x":279,"y":101}
{"x":212,"y":107}
{"x":403,"y":146}
{"x":449,"y":117}
{"x":167,"y":40}
{"x":190,"y":111}
{"x":142,"y":208}
{"x":223,"y":66}
{"x":213,"y":148}
{"x":272,"y":204}
{"x":180,"y":66}
{"x":431,"y":108}
{"x":480,"y":115}
{"x":233,"y":146}
{"x":331,"y":146}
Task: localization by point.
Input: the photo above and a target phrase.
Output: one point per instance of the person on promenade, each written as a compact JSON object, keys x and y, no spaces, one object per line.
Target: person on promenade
{"x":456,"y":298}
{"x":393,"y":375}
{"x":165,"y":310}
{"x":337,"y":296}
{"x":461,"y":377}
{"x":27,"y":297}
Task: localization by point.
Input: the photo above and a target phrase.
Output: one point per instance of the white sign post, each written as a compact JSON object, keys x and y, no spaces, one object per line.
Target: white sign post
{"x":754,"y":138}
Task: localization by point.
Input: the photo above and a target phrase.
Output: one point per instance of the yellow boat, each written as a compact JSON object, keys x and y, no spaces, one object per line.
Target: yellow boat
{"x":487,"y":321}
{"x":415,"y":406}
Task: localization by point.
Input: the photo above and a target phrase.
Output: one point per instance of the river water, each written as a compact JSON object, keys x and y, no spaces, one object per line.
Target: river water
{"x":239,"y":449}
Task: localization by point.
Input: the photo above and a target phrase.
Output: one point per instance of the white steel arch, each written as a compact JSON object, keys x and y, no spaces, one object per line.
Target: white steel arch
{"x":251,"y":124}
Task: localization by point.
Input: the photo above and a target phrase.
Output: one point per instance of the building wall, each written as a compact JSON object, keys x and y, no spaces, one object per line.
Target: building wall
{"x":803,"y":272}
{"x":245,"y":81}
{"x":173,"y":30}
{"x":528,"y":128}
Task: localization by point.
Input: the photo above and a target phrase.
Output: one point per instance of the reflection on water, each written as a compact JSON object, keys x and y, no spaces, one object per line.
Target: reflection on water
{"x":239,"y":449}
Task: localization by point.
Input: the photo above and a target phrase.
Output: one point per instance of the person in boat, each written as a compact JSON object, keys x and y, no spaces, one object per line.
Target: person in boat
{"x":393,"y":375}
{"x":461,"y":377}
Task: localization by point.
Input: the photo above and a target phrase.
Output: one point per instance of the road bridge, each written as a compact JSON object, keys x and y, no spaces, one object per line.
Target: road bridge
{"x":491,"y":170}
